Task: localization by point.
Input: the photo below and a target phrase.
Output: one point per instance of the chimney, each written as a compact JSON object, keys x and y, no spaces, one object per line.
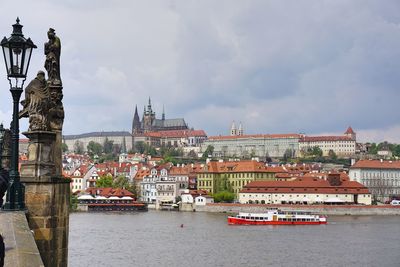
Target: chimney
{"x":334,"y":179}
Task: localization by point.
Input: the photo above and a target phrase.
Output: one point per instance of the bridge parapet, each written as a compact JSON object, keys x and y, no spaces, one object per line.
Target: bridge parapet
{"x":20,"y":246}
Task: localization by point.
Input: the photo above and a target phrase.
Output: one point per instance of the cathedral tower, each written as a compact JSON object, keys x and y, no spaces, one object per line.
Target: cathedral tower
{"x":136,"y":123}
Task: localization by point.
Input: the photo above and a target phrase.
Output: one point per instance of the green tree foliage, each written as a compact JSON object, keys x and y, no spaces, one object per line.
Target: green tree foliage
{"x":316,"y":151}
{"x":78,"y":147}
{"x":121,"y":182}
{"x":192,"y":154}
{"x":94,"y":148}
{"x":104,"y":181}
{"x":73,"y":202}
{"x":394,"y":148}
{"x":139,"y":147}
{"x":116,"y":149}
{"x":332,"y":155}
{"x":108,"y":146}
{"x":208,"y":152}
{"x":224,"y":196}
{"x":144,"y":148}
{"x":289,"y":154}
{"x":150,"y":150}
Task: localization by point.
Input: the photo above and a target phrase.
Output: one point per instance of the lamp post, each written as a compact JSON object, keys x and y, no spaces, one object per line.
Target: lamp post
{"x":17,"y":53}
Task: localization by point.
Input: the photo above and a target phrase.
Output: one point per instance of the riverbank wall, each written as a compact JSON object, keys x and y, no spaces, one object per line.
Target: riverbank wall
{"x":354,"y":210}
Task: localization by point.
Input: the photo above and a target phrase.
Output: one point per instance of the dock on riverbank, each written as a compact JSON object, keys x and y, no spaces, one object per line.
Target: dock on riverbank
{"x":317,"y":209}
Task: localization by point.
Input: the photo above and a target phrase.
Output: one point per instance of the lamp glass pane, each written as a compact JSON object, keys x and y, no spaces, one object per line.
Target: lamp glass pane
{"x":6,"y":54}
{"x":27,"y":57}
{"x":16,"y":61}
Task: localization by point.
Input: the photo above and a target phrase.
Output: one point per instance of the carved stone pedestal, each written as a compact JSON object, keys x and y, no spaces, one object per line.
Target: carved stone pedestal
{"x":40,"y":166}
{"x":46,"y":198}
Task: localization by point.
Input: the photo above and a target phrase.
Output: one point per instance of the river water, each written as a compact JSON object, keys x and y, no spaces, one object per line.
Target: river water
{"x":156,"y":238}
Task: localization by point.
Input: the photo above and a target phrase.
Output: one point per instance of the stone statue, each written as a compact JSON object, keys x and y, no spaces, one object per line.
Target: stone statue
{"x":37,"y":103}
{"x":56,"y":111}
{"x":52,"y":50}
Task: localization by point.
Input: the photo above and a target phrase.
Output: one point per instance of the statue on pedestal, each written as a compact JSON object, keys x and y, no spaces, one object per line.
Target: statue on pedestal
{"x":52,"y":50}
{"x":44,"y":108}
{"x":43,"y":99}
{"x":36,"y":104}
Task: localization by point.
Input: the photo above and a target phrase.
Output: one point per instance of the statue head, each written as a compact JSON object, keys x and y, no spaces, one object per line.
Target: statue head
{"x":41,"y":76}
{"x":51,"y":33}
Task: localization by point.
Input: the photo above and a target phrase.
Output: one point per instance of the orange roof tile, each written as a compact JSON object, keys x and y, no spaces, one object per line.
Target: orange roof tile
{"x":349,"y":131}
{"x":176,"y":133}
{"x":325,"y":138}
{"x":268,"y":136}
{"x":376,"y":164}
{"x":304,"y":185}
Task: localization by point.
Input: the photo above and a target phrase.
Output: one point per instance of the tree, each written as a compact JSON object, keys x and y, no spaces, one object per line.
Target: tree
{"x":150,"y":150}
{"x":208,"y":152}
{"x":224,"y":196}
{"x":289,"y":154}
{"x":94,"y":148}
{"x":139,"y":147}
{"x":116,"y":149}
{"x":373,"y":149}
{"x":78,"y":147}
{"x":108,"y":146}
{"x":268,"y":159}
{"x":192,"y":154}
{"x":73,"y":202}
{"x":104,"y":181}
{"x":64,"y":147}
{"x":121,"y":182}
{"x":317,"y":151}
{"x":332,"y":154}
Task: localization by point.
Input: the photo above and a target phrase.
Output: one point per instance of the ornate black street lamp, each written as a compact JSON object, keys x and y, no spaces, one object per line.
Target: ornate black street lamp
{"x":17,"y":53}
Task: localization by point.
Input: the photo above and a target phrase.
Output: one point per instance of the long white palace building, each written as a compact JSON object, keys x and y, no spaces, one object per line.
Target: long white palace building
{"x":238,"y":144}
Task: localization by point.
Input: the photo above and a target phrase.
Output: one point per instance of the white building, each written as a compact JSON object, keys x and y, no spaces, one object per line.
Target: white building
{"x":167,"y":191}
{"x":203,"y":200}
{"x":343,"y":146}
{"x":148,"y":189}
{"x":118,"y":138}
{"x":80,"y":176}
{"x":257,"y":145}
{"x":381,"y":177}
{"x":306,"y":190}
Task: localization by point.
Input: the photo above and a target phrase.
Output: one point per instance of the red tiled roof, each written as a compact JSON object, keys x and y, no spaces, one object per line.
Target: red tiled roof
{"x":109,"y":191}
{"x":176,"y":133}
{"x":142,"y":173}
{"x":268,"y":136}
{"x":376,"y":164}
{"x":349,"y":131}
{"x":305,"y":185}
{"x":196,"y":193}
{"x":325,"y":138}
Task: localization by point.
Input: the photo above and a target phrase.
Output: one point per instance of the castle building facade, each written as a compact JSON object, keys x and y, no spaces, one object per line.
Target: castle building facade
{"x":150,"y":123}
{"x":342,"y":145}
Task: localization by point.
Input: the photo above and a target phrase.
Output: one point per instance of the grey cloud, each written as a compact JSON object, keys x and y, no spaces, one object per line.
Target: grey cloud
{"x":277,"y":66}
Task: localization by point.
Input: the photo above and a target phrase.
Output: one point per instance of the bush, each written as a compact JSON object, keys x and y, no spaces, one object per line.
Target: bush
{"x":224,"y":196}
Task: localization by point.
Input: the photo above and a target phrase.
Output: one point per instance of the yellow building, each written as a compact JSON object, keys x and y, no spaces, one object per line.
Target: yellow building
{"x":233,"y":175}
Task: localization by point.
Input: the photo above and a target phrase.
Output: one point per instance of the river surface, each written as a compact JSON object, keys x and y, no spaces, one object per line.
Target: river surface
{"x":156,"y":238}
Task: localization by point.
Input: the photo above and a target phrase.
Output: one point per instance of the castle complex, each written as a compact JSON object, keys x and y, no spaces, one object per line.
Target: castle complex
{"x":149,"y":123}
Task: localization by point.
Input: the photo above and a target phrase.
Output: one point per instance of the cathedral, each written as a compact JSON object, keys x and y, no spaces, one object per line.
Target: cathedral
{"x":149,"y":123}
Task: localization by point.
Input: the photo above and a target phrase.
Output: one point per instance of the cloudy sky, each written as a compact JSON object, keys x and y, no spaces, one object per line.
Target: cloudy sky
{"x":311,"y":67}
